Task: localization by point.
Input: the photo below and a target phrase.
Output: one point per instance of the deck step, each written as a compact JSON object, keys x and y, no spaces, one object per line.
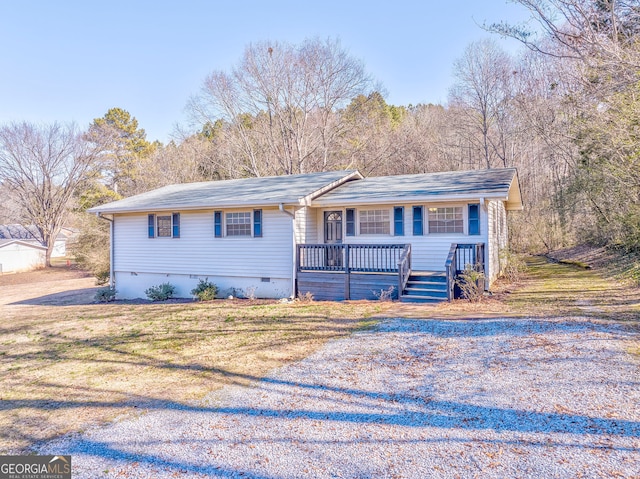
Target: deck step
{"x":438,"y":293}
{"x":421,"y":299}
{"x":425,"y":287}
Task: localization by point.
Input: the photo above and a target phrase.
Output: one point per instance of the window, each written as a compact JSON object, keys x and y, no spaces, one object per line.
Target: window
{"x":446,"y":220}
{"x":164,"y":226}
{"x":239,"y":224}
{"x":374,"y":222}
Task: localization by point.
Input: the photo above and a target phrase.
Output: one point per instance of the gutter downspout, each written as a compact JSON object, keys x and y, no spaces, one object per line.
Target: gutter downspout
{"x":293,"y":237}
{"x":111,"y":250}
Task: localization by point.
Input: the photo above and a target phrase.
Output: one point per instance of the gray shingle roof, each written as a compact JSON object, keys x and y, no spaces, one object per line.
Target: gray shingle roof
{"x":19,"y":232}
{"x":23,"y":233}
{"x":265,"y":191}
{"x":435,"y":186}
{"x":293,"y":189}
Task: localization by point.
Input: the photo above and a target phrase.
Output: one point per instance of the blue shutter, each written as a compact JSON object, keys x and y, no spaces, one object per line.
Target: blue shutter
{"x":175,"y":222}
{"x":398,"y":220}
{"x":474,"y":219}
{"x":418,"y":229}
{"x":152,"y":226}
{"x":351,"y":222}
{"x":257,"y":223}
{"x":217,"y":224}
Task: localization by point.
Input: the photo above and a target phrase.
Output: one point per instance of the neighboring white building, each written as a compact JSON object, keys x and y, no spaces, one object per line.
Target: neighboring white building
{"x":334,"y":234}
{"x":17,"y":256}
{"x":30,"y":234}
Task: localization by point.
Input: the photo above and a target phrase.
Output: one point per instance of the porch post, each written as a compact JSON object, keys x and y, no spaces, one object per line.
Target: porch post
{"x":347,"y":273}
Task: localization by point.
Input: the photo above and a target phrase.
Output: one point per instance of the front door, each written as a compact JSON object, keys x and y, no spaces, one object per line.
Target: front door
{"x":333,"y":235}
{"x":333,"y":227}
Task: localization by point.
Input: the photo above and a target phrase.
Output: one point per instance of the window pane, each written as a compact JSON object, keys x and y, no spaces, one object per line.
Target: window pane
{"x":164,"y":226}
{"x":374,"y":222}
{"x":446,"y":220}
{"x":239,"y":224}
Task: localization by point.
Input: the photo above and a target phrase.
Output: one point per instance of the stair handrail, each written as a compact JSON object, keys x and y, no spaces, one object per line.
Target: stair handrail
{"x":404,"y":268}
{"x":451,"y":268}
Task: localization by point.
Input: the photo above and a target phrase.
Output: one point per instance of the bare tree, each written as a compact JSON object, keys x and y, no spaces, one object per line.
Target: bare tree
{"x":481,"y":97}
{"x":588,"y":31}
{"x":44,"y":165}
{"x":278,"y":105}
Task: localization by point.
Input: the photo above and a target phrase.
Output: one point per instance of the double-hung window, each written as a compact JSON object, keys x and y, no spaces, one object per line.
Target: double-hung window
{"x":237,"y":223}
{"x":374,"y":222}
{"x":446,"y":220}
{"x":164,"y":226}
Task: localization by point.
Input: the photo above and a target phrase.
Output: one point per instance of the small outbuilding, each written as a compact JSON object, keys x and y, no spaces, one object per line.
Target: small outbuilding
{"x":18,"y":255}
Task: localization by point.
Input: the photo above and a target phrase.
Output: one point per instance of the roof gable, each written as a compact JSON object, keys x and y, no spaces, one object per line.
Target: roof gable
{"x":260,"y":191}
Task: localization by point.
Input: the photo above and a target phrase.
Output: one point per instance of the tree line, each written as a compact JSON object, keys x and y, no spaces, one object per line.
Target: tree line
{"x":565,"y":112}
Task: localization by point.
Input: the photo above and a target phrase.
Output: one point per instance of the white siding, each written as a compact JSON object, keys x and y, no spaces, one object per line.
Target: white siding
{"x":497,"y":221}
{"x":306,"y":225}
{"x":59,"y":249}
{"x":230,"y":262}
{"x":429,"y":251}
{"x":16,"y":257}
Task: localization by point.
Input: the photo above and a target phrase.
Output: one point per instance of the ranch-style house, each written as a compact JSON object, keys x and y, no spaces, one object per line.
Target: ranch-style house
{"x":336,"y":235}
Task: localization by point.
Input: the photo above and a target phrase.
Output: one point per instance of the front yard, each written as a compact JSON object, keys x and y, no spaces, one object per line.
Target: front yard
{"x":67,"y":364}
{"x":65,"y":367}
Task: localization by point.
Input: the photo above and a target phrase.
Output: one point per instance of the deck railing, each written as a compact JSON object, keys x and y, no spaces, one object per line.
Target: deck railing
{"x":368,"y":258}
{"x":461,"y":255}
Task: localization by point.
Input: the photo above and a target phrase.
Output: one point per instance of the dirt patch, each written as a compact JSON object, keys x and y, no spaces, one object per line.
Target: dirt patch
{"x":44,"y":275}
{"x":51,"y":287}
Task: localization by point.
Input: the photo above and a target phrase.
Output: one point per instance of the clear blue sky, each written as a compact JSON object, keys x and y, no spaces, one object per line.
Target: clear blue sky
{"x":73,"y":60}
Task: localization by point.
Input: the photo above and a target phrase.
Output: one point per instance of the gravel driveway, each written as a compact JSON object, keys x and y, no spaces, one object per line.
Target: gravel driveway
{"x":411,"y":399}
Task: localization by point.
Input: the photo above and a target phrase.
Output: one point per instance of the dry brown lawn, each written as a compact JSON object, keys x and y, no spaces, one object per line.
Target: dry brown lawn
{"x":67,"y":364}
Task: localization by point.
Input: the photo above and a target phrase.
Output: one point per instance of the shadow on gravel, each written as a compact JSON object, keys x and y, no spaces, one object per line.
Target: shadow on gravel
{"x":420,"y":412}
{"x":505,"y":326}
{"x":102,"y":449}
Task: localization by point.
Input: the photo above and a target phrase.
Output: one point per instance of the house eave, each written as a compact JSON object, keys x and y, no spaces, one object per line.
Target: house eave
{"x":24,"y":243}
{"x":203,"y":207}
{"x":423,"y":199}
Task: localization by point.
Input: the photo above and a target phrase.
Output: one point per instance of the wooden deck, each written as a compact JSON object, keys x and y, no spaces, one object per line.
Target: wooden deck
{"x":337,"y":272}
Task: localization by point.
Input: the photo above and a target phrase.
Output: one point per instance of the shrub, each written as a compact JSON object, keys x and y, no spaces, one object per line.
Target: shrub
{"x":205,"y":290}
{"x":385,"y":294}
{"x":104,"y":295}
{"x":513,"y":266}
{"x":305,"y":298}
{"x":102,"y":277}
{"x":471,"y":284}
{"x":161,"y":292}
